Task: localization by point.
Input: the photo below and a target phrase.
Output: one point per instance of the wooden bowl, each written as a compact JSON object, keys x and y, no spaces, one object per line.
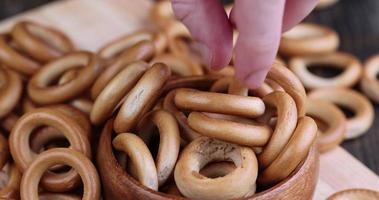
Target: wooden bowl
{"x":118,"y":185}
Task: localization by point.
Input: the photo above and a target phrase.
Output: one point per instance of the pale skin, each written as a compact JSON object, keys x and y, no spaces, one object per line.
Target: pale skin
{"x":260,"y":24}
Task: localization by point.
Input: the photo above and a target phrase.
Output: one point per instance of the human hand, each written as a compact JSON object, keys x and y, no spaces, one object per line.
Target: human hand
{"x":259,"y":23}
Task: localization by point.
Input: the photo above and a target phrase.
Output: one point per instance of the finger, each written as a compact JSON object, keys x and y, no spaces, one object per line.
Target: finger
{"x":295,"y":11}
{"x":209,"y":25}
{"x":259,"y":24}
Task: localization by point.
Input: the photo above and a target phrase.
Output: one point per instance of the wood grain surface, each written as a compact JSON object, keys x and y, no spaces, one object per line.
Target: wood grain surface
{"x":92,"y":23}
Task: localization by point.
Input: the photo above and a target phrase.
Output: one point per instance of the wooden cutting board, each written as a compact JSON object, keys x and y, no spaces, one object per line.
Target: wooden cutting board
{"x":91,"y":23}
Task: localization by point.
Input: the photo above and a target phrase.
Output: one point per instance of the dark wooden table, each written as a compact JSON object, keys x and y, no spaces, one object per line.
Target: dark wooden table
{"x":357,"y":23}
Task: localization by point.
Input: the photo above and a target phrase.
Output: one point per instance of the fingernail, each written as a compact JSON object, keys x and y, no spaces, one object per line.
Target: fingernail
{"x":255,"y":79}
{"x":205,"y":53}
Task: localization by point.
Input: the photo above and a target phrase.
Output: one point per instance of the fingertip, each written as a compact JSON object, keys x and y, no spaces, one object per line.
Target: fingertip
{"x":255,"y":79}
{"x":254,"y":59}
{"x":220,"y":56}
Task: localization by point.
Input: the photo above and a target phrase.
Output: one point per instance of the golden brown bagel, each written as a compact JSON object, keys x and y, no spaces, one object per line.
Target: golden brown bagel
{"x":81,"y":164}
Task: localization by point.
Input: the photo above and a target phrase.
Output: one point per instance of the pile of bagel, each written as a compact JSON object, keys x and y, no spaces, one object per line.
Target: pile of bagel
{"x":75,"y":124}
{"x":309,"y":46}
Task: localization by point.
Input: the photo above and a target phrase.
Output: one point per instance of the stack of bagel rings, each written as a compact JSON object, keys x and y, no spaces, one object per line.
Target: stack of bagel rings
{"x":308,"y":46}
{"x":144,"y":118}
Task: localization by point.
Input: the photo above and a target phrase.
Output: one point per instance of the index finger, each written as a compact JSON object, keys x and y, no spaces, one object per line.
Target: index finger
{"x":260,"y":25}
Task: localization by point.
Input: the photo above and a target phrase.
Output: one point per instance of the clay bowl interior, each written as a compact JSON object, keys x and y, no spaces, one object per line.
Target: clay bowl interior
{"x":117,"y":184}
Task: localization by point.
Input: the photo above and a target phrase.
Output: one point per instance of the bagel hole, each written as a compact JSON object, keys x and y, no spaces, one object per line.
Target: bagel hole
{"x":270,"y":117}
{"x":150,"y":135}
{"x":186,"y":112}
{"x":46,"y":36}
{"x":59,"y":168}
{"x":55,"y":80}
{"x":252,"y":93}
{"x":122,"y":159}
{"x":325,"y":70}
{"x":349,"y":113}
{"x":154,"y":143}
{"x":58,"y":141}
{"x":217,"y":169}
